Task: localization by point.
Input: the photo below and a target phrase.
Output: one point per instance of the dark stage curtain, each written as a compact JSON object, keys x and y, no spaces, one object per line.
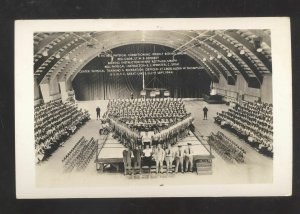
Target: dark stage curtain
{"x":181,"y":84}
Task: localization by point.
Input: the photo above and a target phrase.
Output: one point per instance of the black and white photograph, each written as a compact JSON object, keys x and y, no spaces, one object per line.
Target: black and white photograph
{"x":142,"y":108}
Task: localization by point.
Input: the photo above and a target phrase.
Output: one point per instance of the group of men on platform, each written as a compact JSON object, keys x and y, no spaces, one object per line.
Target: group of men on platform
{"x":159,"y":156}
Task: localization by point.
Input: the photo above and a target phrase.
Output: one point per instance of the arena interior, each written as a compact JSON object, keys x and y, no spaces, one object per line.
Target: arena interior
{"x":153,"y":107}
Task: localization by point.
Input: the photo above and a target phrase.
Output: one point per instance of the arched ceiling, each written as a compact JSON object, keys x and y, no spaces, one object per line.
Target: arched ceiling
{"x":223,"y":52}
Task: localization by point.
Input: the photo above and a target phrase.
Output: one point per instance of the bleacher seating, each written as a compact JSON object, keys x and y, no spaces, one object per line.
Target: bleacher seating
{"x":54,"y":123}
{"x":251,"y":121}
{"x":226,"y":148}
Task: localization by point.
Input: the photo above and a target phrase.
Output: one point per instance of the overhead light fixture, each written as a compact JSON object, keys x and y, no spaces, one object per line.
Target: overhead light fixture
{"x":45,"y":53}
{"x":242,"y":52}
{"x":259,"y":50}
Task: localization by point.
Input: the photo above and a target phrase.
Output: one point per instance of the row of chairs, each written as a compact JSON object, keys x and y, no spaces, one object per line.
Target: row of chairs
{"x":70,"y":153}
{"x":234,"y":144}
{"x":87,"y":155}
{"x":81,"y":156}
{"x":225,"y":149}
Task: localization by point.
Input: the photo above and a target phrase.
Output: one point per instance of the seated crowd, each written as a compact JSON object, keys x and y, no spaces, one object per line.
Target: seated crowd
{"x":226,"y":148}
{"x":54,"y":123}
{"x":251,"y":121}
{"x":170,"y":135}
{"x":144,"y":114}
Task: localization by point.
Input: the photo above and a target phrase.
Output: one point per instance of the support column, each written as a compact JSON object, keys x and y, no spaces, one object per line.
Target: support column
{"x":63,"y":91}
{"x":45,"y":90}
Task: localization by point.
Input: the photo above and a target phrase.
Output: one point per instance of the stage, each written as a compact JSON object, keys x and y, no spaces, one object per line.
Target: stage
{"x":111,"y":152}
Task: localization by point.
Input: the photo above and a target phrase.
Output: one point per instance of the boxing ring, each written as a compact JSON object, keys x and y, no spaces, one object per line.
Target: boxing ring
{"x":202,"y":155}
{"x":110,"y":152}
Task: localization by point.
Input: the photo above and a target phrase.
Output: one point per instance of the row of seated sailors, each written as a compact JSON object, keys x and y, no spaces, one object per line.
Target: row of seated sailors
{"x":51,"y":143}
{"x":165,"y":137}
{"x":44,"y":114}
{"x":145,"y":110}
{"x":45,"y":110}
{"x":253,"y":114}
{"x":255,"y":111}
{"x":70,"y":125}
{"x":226,"y":149}
{"x":56,"y":118}
{"x":155,"y":99}
{"x":249,"y":116}
{"x":131,"y":105}
{"x":263,"y":141}
{"x":245,"y":127}
{"x":259,"y":124}
{"x":249,"y":126}
{"x":168,"y":128}
{"x":47,"y":143}
{"x":267,"y":107}
{"x":164,"y":120}
{"x":144,"y":105}
{"x":138,"y":157}
{"x":149,"y":111}
{"x":47,"y":106}
{"x":68,"y":120}
{"x":148,"y":122}
{"x":146,"y":101}
{"x":51,"y":108}
{"x":152,"y":121}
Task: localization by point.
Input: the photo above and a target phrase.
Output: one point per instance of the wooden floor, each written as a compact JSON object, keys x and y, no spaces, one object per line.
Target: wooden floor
{"x":257,"y":169}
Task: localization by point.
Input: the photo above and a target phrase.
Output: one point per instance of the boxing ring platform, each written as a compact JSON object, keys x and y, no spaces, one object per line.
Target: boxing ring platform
{"x":202,"y":154}
{"x":110,"y":153}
